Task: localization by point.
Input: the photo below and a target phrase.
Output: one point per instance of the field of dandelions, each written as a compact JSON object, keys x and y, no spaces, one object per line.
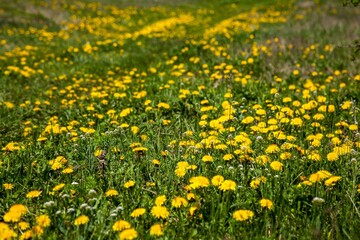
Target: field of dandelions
{"x":179,"y":120}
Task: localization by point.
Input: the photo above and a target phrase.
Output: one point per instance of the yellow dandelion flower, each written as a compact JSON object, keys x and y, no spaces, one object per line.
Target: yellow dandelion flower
{"x":81,"y":220}
{"x":247,"y":120}
{"x":121,"y":225}
{"x":207,"y":158}
{"x":26,"y":235}
{"x":177,"y":202}
{"x":296,"y":122}
{"x":228,"y":157}
{"x":43,"y":220}
{"x":67,"y":170}
{"x":12,"y":146}
{"x":276,"y":165}
{"x":255,"y":183}
{"x":37,"y":230}
{"x":198,"y":182}
{"x":266,"y":203}
{"x":192,"y":210}
{"x":128,"y":234}
{"x":243,"y":215}
{"x":217,"y":180}
{"x":129,"y":184}
{"x":160,"y":212}
{"x":160,"y":200}
{"x":24,"y":225}
{"x":273,"y":148}
{"x":190,"y":196}
{"x":8,"y":186}
{"x":156,"y":230}
{"x":163,"y":105}
{"x":12,"y":216}
{"x":332,"y":156}
{"x":332,"y":180}
{"x":111,"y":192}
{"x":19,"y":208}
{"x":180,"y":172}
{"x":125,"y":112}
{"x":138,"y":212}
{"x":156,"y":162}
{"x":58,"y":187}
{"x":227,"y":185}
{"x":6,"y":232}
{"x":33,"y":194}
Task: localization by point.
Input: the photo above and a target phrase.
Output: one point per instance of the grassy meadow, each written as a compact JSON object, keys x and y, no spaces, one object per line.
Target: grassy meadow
{"x":179,"y":119}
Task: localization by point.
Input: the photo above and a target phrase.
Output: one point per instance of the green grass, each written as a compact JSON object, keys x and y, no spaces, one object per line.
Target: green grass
{"x":269,"y":84}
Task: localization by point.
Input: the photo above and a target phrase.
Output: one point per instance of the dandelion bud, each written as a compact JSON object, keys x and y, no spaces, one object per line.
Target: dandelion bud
{"x":353,"y":160}
{"x":231,"y":168}
{"x":353,"y":152}
{"x":74,"y":183}
{"x":113,"y":215}
{"x":58,"y":212}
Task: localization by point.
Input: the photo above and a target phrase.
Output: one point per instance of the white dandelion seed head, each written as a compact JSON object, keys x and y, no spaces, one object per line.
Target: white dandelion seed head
{"x":318,"y":201}
{"x":92,"y":191}
{"x":84,"y":205}
{"x":70,"y":210}
{"x":49,"y":204}
{"x":65,"y":195}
